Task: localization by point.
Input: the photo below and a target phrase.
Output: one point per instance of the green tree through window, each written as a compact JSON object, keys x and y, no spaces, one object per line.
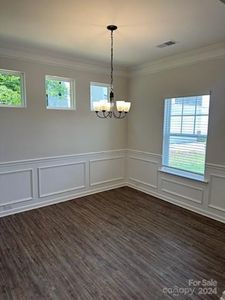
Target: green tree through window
{"x":59,"y":92}
{"x":56,"y":88}
{"x":10,"y":89}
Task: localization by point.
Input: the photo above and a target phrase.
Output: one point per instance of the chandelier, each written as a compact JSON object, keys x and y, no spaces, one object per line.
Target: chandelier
{"x":108,"y":109}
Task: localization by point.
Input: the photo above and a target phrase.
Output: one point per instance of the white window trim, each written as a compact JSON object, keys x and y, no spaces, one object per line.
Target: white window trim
{"x":72,"y":92}
{"x":101,"y":85}
{"x":184,"y":174}
{"x":180,"y":172}
{"x":22,"y":87}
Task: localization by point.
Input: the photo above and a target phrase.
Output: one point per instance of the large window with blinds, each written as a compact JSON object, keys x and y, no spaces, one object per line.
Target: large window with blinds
{"x":185,"y":133}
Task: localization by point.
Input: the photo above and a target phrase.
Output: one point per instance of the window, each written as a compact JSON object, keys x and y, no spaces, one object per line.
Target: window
{"x":12,"y":93}
{"x":99,"y":91}
{"x":60,"y":93}
{"x":185,"y":133}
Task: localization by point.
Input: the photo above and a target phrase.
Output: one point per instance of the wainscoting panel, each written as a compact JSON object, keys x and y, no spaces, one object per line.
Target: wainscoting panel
{"x":35,"y":183}
{"x":59,"y":179}
{"x":16,"y":186}
{"x":107,"y":170}
{"x":217,"y":189}
{"x":143,"y":171}
{"x":207,"y":198}
{"x":182,"y":190}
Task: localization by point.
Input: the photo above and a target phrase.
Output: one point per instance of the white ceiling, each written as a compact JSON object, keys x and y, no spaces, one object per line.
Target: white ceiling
{"x":77,"y":27}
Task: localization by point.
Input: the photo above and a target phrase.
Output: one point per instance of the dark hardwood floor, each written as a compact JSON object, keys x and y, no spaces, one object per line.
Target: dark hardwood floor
{"x":119,"y":244}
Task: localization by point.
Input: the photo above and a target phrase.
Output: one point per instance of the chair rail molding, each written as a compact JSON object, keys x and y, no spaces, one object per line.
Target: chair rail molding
{"x":44,"y":181}
{"x":206,"y":198}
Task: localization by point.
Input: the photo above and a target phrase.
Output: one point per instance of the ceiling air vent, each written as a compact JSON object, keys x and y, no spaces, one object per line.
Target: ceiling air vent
{"x":166,"y":44}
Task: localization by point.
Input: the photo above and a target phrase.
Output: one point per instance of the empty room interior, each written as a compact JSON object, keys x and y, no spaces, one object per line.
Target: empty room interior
{"x":112,"y":149}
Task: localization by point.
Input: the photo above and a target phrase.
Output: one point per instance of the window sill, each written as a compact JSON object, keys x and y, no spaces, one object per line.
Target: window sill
{"x":183,"y":174}
{"x":12,"y":106}
{"x":60,"y":108}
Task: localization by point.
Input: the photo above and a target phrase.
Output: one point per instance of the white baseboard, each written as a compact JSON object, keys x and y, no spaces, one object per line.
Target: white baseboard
{"x":35,"y":183}
{"x":59,"y":200}
{"x":206,"y":198}
{"x":30,"y":184}
{"x":180,"y":204}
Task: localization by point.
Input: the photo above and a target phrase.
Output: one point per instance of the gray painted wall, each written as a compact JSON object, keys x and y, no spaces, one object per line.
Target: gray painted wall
{"x":145,"y":122}
{"x":36,"y":132}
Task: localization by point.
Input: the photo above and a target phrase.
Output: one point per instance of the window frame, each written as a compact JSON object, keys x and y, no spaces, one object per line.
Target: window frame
{"x":72,"y":92}
{"x":22,"y":88}
{"x":177,"y":171}
{"x":101,"y":84}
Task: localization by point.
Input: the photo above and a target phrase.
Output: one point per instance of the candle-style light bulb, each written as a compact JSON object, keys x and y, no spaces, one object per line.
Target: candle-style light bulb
{"x":127,"y":106}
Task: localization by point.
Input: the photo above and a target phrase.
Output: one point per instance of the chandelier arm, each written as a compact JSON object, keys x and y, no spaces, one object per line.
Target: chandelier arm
{"x":110,"y":114}
{"x":106,"y":114}
{"x":103,"y":114}
{"x":100,"y":116}
{"x":121,"y":115}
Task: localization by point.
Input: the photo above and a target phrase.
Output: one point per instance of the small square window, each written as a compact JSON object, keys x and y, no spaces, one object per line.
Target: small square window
{"x":98,"y":92}
{"x":60,"y":93}
{"x":12,"y":92}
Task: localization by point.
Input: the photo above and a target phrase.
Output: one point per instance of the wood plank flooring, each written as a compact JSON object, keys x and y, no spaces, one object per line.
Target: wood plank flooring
{"x":119,"y":244}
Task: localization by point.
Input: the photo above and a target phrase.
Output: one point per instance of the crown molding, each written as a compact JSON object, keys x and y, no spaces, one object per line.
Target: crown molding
{"x":66,"y":61}
{"x":215,"y":51}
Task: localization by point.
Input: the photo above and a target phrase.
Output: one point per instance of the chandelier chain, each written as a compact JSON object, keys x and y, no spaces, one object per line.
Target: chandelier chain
{"x":111,"y":109}
{"x":111,"y":61}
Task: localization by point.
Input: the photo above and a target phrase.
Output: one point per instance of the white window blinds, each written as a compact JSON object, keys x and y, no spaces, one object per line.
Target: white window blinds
{"x":185,"y":133}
